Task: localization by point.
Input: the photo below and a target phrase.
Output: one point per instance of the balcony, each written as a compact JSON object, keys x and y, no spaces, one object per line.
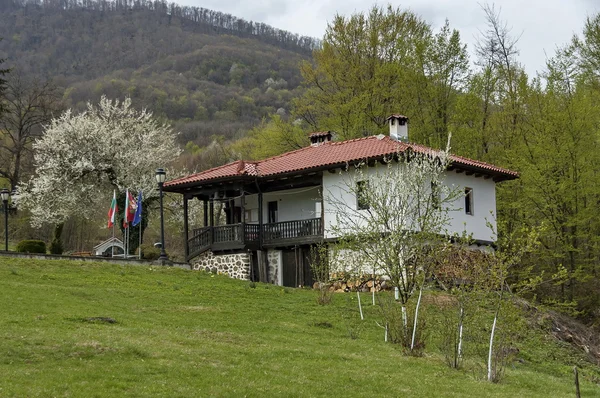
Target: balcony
{"x":248,"y":236}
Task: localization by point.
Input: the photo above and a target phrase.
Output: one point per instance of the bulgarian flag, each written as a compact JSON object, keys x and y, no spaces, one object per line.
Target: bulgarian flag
{"x":112,"y":212}
{"x":130,"y":207}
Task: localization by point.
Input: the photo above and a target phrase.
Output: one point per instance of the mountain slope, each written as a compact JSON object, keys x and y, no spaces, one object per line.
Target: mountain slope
{"x":204,"y":78}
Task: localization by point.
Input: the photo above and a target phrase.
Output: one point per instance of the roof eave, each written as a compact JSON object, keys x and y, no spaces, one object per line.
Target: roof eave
{"x":181,"y":188}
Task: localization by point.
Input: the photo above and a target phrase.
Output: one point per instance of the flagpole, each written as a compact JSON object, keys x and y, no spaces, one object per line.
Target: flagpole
{"x":113,"y":242}
{"x":127,"y":246}
{"x":126,"y":222}
{"x":140,"y":243}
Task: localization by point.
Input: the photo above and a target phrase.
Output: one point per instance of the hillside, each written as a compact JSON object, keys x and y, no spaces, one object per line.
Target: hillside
{"x":71,"y":328}
{"x":207,"y":72}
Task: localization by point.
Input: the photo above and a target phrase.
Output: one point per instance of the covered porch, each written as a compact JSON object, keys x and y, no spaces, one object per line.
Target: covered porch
{"x":247,"y":214}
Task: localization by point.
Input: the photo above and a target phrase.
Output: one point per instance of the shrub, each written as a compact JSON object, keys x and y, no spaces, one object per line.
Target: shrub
{"x":150,"y":252}
{"x":31,"y":246}
{"x":56,"y":247}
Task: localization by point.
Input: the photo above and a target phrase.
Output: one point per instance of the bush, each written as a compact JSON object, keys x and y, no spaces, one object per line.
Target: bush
{"x":56,"y":247}
{"x":150,"y":252}
{"x":31,"y":246}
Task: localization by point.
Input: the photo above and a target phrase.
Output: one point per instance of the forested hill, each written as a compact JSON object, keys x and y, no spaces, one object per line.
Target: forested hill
{"x":207,"y":72}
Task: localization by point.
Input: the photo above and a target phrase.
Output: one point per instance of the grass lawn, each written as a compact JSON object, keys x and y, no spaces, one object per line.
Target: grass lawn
{"x":190,"y":334}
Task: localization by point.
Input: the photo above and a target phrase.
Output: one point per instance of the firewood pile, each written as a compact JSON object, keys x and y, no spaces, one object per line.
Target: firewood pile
{"x":340,"y":283}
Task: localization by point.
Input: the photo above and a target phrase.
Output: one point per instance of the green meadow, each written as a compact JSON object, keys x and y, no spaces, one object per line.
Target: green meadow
{"x":71,"y":329}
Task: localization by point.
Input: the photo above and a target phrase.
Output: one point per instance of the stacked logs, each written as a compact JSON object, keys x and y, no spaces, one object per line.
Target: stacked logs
{"x":340,"y":283}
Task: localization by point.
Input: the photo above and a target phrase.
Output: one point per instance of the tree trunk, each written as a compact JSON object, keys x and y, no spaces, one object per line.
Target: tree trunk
{"x":56,"y":246}
{"x":14,"y":181}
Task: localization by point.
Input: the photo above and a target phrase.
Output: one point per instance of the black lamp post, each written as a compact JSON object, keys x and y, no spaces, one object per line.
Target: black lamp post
{"x":4,"y":195}
{"x":160,"y":179}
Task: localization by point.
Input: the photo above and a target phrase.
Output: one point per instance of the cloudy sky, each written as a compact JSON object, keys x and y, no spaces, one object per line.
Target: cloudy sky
{"x":542,"y":24}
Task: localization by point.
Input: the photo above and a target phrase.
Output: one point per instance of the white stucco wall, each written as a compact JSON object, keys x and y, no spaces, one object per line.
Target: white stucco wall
{"x":335,"y":190}
{"x":292,"y":204}
{"x":484,"y":206}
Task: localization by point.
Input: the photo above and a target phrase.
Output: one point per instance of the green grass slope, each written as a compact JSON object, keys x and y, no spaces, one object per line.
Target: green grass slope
{"x":183,"y":333}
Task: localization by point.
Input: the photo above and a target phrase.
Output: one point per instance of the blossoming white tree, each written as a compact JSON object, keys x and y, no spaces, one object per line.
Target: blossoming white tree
{"x":81,"y":158}
{"x":401,"y":212}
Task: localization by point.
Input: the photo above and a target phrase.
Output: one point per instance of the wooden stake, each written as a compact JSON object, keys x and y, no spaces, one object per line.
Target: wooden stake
{"x":362,"y":318}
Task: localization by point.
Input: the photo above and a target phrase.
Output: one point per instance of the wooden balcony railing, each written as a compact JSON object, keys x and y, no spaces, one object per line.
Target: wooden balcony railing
{"x":251,"y":232}
{"x":243,"y":234}
{"x":227,"y":233}
{"x":290,"y":230}
{"x":199,"y":242}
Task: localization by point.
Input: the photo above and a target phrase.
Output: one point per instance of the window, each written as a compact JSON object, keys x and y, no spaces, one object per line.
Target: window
{"x":469,"y":201}
{"x":362,"y":196}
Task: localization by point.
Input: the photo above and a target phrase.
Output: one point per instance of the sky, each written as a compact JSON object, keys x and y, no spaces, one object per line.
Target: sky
{"x":542,"y":25}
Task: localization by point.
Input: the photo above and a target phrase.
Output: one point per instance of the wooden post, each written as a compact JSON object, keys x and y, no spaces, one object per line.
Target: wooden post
{"x":205,"y":212}
{"x":212,"y":220}
{"x":263,"y":274}
{"x":243,"y":213}
{"x":261,"y":232}
{"x":322,"y":215}
{"x":185,"y":226}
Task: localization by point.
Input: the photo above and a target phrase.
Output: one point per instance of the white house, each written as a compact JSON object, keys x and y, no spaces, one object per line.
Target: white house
{"x":275,"y":209}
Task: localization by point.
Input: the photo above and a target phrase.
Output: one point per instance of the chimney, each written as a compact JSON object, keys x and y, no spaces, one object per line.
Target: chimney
{"x":319,"y":137}
{"x":398,"y":127}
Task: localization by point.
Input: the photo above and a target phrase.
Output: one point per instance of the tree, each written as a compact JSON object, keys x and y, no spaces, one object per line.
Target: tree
{"x":560,"y":177}
{"x":389,"y":61}
{"x":28,"y":105}
{"x":400,"y":216}
{"x":3,"y":72}
{"x":363,"y":72}
{"x":445,"y":73}
{"x":588,"y":49}
{"x":271,"y":138}
{"x":81,"y":158}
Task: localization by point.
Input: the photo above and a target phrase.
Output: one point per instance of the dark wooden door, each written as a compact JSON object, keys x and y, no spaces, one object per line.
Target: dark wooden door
{"x":288,"y":268}
{"x":254,"y":271}
{"x":272,"y":212}
{"x":307,"y":274}
{"x":233,"y":215}
{"x":295,"y":267}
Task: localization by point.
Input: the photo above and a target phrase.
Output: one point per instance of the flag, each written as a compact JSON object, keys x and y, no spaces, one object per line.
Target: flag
{"x":129,"y":209}
{"x":112,"y":212}
{"x":137,"y":218}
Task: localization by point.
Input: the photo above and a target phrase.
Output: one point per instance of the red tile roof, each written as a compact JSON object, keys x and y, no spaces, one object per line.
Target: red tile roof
{"x":330,"y":154}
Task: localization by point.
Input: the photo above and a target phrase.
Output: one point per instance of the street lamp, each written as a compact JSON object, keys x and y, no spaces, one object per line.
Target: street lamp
{"x":4,"y":195}
{"x":160,"y":179}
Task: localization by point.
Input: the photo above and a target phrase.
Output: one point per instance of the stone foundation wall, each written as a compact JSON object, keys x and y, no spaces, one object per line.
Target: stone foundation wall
{"x":273,"y":262}
{"x":235,"y":265}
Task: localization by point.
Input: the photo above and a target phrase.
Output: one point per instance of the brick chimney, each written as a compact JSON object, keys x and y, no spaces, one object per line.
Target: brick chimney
{"x":398,"y":127}
{"x":320,"y":137}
